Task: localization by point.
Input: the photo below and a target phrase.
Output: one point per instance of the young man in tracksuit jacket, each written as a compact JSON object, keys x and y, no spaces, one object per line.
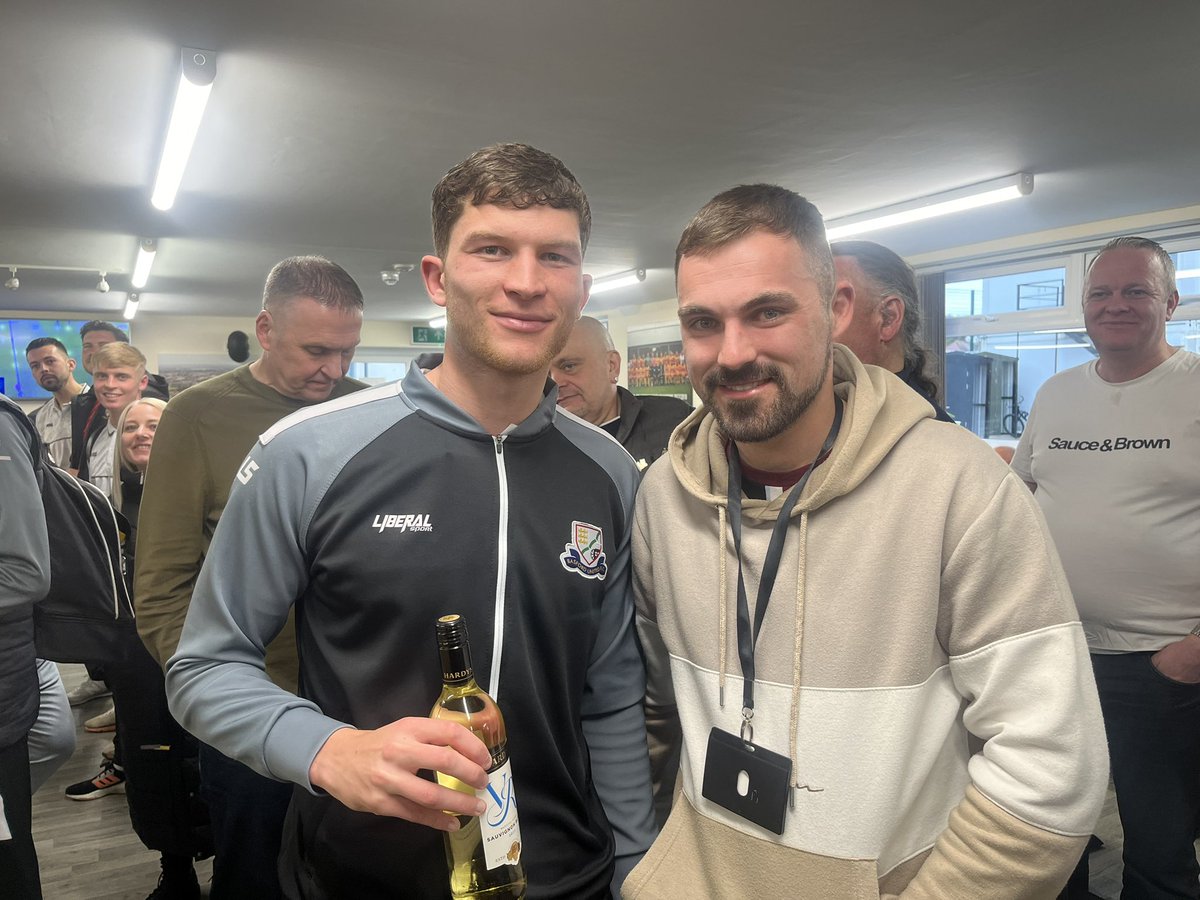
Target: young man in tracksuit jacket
{"x":464,"y":490}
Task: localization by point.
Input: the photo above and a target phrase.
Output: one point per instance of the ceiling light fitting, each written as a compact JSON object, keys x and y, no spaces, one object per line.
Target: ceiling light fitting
{"x":131,"y":305}
{"x":437,"y":322}
{"x":102,"y":285}
{"x":13,"y":282}
{"x":618,"y":281}
{"x":391,"y":277}
{"x":147,"y":248}
{"x":945,"y":203}
{"x":197,"y":70}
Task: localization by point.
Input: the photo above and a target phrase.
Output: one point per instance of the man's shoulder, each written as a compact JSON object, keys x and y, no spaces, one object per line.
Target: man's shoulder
{"x":194,"y":402}
{"x":342,"y":420}
{"x":596,"y":443}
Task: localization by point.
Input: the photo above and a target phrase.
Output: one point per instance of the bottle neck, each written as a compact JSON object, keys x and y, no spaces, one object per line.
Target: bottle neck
{"x":456,"y":664}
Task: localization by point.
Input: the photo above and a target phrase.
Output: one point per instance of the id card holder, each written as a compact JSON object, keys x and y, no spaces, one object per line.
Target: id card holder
{"x":748,"y":780}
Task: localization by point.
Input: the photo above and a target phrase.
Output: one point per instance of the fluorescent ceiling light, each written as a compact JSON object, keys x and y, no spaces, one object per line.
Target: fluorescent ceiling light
{"x":976,"y":195}
{"x":437,"y":322}
{"x":195,"y":84}
{"x":147,"y":248}
{"x":620,"y":280}
{"x":131,"y":305}
{"x":1187,"y":273}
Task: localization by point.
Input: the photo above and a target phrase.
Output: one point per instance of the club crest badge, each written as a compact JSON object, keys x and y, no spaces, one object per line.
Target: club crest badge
{"x":585,"y":552}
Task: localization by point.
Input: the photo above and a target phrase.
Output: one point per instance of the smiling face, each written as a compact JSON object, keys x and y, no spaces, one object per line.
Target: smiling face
{"x":756,"y":334}
{"x":137,"y":435}
{"x":51,"y":367}
{"x":1127,"y":302}
{"x":118,"y":386}
{"x":512,"y":284}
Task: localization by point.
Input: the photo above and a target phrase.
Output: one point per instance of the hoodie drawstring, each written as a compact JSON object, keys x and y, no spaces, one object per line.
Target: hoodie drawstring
{"x":797,"y":648}
{"x":723,"y":606}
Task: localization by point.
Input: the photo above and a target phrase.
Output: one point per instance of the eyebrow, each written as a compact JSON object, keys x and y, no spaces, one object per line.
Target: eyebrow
{"x":771,"y":298}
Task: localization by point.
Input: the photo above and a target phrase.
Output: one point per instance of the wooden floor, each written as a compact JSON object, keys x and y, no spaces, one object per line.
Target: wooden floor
{"x":87,"y":849}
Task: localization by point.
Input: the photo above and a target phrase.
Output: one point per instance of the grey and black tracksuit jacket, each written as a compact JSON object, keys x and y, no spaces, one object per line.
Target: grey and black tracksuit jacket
{"x":374,"y":514}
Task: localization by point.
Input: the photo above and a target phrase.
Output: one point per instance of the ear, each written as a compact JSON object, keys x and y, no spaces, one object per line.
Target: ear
{"x":142,"y":384}
{"x":891,"y":312}
{"x":262,"y":329}
{"x":587,"y":295}
{"x":614,"y":366}
{"x":433,"y":273}
{"x":1172,"y":304}
{"x":70,"y":365}
{"x":843,"y":308}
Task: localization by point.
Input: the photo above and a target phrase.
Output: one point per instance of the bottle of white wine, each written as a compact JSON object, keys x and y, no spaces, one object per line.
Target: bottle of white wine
{"x":484,"y":855}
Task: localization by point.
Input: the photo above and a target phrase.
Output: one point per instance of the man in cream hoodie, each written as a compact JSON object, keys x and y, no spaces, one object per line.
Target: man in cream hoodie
{"x":875,"y":609}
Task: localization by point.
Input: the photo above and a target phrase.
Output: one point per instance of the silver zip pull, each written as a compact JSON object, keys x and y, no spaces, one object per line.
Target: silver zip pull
{"x":499,"y":439}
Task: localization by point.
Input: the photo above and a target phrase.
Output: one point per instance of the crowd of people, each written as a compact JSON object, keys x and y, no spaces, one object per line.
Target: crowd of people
{"x":812,"y":639}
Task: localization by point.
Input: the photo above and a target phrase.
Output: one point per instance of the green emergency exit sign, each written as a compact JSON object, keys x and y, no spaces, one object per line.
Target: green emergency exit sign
{"x":423,"y":334}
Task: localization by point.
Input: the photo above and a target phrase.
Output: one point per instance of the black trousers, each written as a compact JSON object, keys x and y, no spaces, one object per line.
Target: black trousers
{"x":19,"y":878}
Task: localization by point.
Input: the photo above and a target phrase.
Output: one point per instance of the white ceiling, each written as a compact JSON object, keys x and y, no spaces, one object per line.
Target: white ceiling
{"x":329,"y":124}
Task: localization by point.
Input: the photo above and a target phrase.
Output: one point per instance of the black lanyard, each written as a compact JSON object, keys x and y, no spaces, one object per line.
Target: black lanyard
{"x":747,"y":639}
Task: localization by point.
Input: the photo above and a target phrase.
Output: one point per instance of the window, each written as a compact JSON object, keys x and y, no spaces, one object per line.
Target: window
{"x":1040,"y":289}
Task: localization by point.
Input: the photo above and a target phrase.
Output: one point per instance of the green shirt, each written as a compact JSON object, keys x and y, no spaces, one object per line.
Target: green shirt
{"x":203,"y":437}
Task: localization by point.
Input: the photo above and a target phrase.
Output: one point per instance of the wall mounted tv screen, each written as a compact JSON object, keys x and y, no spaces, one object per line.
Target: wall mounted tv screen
{"x":15,"y":334}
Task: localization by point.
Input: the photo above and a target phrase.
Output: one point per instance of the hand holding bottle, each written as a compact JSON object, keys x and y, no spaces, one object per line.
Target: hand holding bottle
{"x":375,"y":771}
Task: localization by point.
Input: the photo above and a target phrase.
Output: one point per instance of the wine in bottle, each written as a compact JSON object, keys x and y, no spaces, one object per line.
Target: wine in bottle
{"x":484,"y":855}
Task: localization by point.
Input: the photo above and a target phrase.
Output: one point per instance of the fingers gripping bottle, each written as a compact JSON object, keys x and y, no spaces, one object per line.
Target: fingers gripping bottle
{"x":484,"y":855}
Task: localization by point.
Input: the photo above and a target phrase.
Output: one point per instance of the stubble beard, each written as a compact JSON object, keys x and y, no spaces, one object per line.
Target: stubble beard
{"x":52,"y":383}
{"x":747,"y":421}
{"x":470,"y":332}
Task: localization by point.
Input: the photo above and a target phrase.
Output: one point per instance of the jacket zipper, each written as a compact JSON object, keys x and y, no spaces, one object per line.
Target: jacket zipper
{"x":501,"y":571}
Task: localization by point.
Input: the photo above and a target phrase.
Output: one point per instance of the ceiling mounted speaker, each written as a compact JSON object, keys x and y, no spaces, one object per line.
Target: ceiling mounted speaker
{"x":238,"y":345}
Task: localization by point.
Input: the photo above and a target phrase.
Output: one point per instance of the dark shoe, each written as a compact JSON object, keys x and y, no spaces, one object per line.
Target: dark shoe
{"x":177,"y":881}
{"x":109,"y":780}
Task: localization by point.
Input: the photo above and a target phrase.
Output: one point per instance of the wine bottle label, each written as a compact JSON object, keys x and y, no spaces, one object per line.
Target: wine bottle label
{"x":499,"y":825}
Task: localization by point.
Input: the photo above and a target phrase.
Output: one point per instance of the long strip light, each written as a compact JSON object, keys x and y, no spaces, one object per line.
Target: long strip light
{"x":131,"y":305}
{"x":147,"y":249}
{"x":195,"y":84}
{"x":437,"y":322}
{"x":618,"y":281}
{"x":983,"y":194}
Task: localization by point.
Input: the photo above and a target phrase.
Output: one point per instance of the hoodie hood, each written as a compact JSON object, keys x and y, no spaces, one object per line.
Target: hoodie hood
{"x":879,"y":410}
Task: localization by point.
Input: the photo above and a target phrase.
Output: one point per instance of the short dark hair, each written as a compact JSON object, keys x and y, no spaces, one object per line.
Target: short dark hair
{"x":737,"y":212}
{"x":891,"y":276}
{"x":39,"y":343}
{"x":312,"y":276}
{"x":515,"y":175}
{"x":101,"y":325}
{"x":1134,"y":242}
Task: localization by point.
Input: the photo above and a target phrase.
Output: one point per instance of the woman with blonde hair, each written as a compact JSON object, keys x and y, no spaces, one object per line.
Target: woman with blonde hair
{"x":154,"y":758}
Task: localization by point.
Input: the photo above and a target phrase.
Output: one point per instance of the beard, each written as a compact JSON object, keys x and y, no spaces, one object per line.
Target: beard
{"x":52,"y":383}
{"x":754,"y":421}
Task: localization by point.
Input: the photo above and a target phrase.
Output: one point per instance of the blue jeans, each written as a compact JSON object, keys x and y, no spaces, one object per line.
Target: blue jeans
{"x":247,"y":812}
{"x":1153,"y":726}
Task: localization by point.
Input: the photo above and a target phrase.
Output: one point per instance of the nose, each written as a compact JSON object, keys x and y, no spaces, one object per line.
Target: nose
{"x":736,"y":348}
{"x":524,"y":275}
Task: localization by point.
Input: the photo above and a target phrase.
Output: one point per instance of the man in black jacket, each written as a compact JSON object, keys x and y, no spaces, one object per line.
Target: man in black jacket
{"x":24,"y":580}
{"x":586,"y":374}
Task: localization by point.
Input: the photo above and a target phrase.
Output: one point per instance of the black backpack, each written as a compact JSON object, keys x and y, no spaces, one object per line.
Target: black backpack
{"x":88,"y":615}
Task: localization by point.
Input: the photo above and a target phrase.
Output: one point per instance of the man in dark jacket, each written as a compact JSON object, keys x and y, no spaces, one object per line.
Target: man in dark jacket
{"x":586,"y":374}
{"x":24,"y":580}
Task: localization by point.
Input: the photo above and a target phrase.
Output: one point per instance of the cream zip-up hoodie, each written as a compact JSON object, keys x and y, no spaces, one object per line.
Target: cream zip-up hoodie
{"x":921,"y":663}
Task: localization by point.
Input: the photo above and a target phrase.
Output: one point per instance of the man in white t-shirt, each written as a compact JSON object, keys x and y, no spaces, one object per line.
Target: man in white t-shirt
{"x":1112,"y":449}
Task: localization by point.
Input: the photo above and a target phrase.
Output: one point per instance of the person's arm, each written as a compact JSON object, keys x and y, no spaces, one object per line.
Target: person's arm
{"x":613,"y":722}
{"x":663,"y":732}
{"x":171,"y":542}
{"x":24,"y":546}
{"x":219,"y":691}
{"x":1019,"y":660}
